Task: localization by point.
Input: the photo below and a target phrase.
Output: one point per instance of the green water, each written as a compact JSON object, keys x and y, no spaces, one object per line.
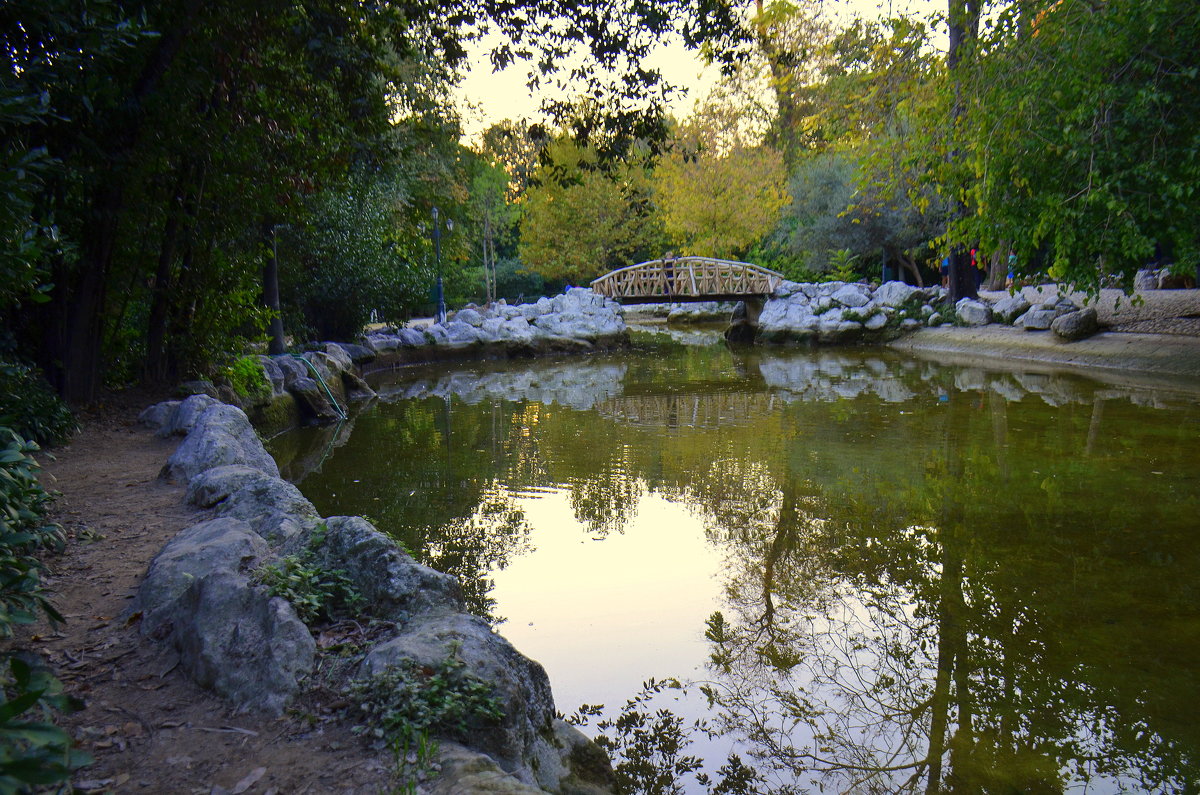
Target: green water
{"x":883,"y":572}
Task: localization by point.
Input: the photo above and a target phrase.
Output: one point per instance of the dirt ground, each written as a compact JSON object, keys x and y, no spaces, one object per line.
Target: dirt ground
{"x":147,"y":726}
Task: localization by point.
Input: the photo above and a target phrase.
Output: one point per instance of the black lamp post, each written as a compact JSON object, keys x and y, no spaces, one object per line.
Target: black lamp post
{"x":437,"y":255}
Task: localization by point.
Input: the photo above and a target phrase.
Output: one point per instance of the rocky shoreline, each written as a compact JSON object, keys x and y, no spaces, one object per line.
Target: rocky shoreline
{"x":204,"y":594}
{"x":201,"y":597}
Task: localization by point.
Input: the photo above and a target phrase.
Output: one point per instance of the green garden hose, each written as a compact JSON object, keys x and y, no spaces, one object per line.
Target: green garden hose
{"x":337,"y":407}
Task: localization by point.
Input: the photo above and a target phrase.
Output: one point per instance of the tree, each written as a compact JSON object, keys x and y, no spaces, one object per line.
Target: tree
{"x":493,"y":217}
{"x":181,"y":152}
{"x":584,"y":218}
{"x":1081,"y":140}
{"x":719,"y":193}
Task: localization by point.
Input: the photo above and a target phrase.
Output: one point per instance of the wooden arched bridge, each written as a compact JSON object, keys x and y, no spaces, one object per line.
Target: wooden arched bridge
{"x":687,"y":279}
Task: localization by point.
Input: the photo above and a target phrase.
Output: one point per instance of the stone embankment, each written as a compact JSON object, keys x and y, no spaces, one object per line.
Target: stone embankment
{"x":577,"y":320}
{"x":202,"y":597}
{"x":317,"y":385}
{"x":837,"y":312}
{"x":203,"y":593}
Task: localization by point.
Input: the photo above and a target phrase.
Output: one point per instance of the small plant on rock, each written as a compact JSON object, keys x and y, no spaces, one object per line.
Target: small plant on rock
{"x":247,"y":379}
{"x":315,"y":592}
{"x":411,"y":698}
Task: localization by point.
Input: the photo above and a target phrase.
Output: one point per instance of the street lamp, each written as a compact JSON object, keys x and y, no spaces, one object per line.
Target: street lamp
{"x":437,"y":255}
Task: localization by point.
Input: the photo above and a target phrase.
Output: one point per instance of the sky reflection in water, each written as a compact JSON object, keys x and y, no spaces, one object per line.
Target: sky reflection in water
{"x":981,"y":578}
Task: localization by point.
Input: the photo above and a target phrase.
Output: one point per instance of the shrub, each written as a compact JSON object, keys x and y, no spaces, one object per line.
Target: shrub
{"x":31,"y":408}
{"x":411,"y":699}
{"x":33,"y":751}
{"x":24,"y":530}
{"x":248,"y":380}
{"x":315,"y":592}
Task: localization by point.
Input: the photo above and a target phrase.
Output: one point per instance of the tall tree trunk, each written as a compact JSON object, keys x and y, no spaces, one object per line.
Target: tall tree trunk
{"x":964,"y":30}
{"x":277,"y":345}
{"x":156,"y":327}
{"x":82,"y":299}
{"x":783,"y":65}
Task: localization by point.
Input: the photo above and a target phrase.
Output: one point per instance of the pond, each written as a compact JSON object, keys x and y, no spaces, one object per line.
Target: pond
{"x":869,"y":571}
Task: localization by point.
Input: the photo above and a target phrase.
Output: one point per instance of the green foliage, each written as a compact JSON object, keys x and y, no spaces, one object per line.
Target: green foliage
{"x":586,"y":216}
{"x":410,"y":699}
{"x":516,"y":284}
{"x":843,"y":267}
{"x":248,"y":379}
{"x":25,"y":239}
{"x":316,"y":593}
{"x":34,"y":753}
{"x":347,"y":260}
{"x":719,"y":191}
{"x":30,"y":408}
{"x":413,"y":755}
{"x":1078,"y":147}
{"x":25,"y":529}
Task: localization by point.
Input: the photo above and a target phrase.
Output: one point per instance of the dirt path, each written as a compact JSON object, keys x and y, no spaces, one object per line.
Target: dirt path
{"x":148,"y":727}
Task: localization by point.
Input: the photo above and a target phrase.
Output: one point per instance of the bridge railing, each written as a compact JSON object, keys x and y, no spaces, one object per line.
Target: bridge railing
{"x":687,"y":278}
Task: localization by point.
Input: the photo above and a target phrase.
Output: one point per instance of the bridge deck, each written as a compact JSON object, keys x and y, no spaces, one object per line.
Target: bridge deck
{"x":687,"y":279}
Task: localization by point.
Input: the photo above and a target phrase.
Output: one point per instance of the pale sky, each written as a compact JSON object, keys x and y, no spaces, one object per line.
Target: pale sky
{"x":503,"y":95}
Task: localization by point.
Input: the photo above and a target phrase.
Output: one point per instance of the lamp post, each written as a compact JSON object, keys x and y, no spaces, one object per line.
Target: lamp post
{"x":437,"y":255}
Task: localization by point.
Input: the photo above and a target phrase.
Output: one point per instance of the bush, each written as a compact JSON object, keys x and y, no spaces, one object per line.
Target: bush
{"x":247,"y":379}
{"x":30,"y":408}
{"x":33,"y":752}
{"x":25,"y":529}
{"x":410,"y":699}
{"x":314,"y":592}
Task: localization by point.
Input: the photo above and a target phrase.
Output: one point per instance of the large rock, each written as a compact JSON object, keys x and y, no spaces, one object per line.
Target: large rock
{"x":272,"y":507}
{"x":249,"y":647}
{"x":183,"y":419}
{"x":1076,"y":325}
{"x":292,"y":368}
{"x":314,"y":400}
{"x":852,"y":295}
{"x":394,"y":585}
{"x":1009,"y":308}
{"x":157,"y":416}
{"x":359,"y":354}
{"x":459,"y":332}
{"x":227,"y":544}
{"x":567,"y":762}
{"x":520,"y":684}
{"x":222,"y":435}
{"x":1037,"y":318}
{"x":973,"y":313}
{"x":470,"y":316}
{"x":893,"y":294}
{"x":412,"y":338}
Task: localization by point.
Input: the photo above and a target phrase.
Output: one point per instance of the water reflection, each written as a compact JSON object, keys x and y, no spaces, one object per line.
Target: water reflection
{"x":922,"y":578}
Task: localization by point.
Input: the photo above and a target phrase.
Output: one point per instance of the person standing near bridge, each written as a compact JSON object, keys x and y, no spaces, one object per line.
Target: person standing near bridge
{"x":668,"y":261}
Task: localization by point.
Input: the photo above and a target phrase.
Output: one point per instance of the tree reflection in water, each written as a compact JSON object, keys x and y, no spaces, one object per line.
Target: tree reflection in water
{"x":891,"y":637}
